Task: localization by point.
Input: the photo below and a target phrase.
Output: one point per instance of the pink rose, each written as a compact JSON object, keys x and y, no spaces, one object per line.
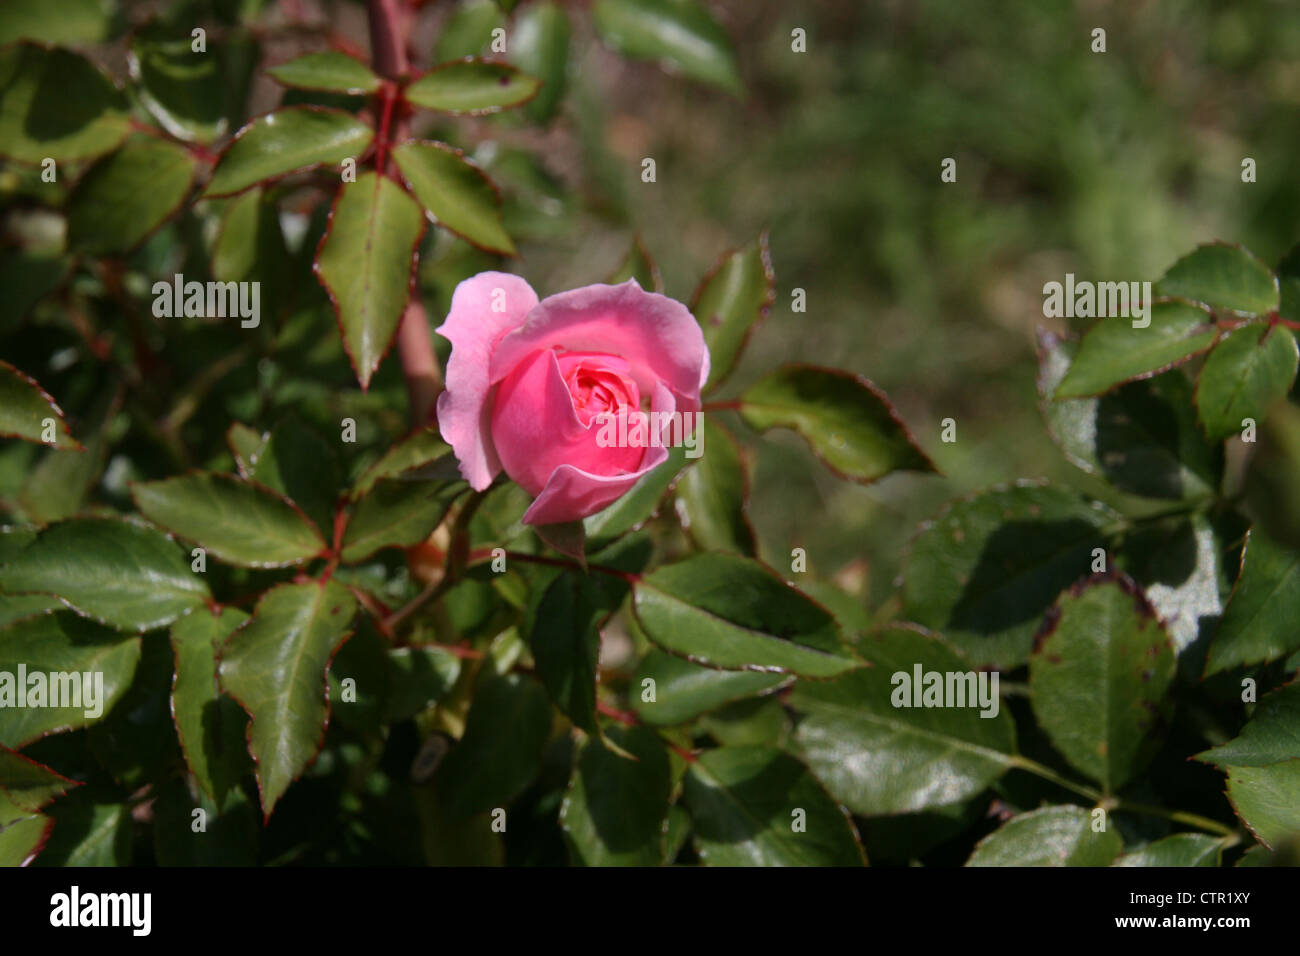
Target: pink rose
{"x":529,"y":383}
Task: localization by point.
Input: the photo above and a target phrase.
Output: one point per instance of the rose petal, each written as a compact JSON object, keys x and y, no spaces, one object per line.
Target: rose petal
{"x":474,"y":331}
{"x":655,"y":334}
{"x":571,"y":493}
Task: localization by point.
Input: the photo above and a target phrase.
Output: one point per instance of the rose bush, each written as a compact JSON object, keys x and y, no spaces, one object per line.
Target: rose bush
{"x":530,"y":383}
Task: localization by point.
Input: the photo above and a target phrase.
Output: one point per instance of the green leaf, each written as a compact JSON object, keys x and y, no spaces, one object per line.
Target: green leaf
{"x":638,"y":265}
{"x":758,"y":806}
{"x":275,"y":666}
{"x":539,"y":45}
{"x":1271,"y":736}
{"x":1272,"y":494}
{"x":210,"y":727}
{"x":118,"y":572}
{"x":182,"y":88}
{"x":245,"y":443}
{"x":288,"y":141}
{"x":250,"y":247}
{"x":501,"y":751}
{"x":366,"y":261}
{"x":1265,"y":799}
{"x":229,"y":837}
{"x":472,"y":87}
{"x":680,"y":34}
{"x":23,"y":833}
{"x":1099,"y":678}
{"x":26,"y":409}
{"x":396,"y":513}
{"x":56,"y":21}
{"x":455,"y":192}
{"x":88,"y":832}
{"x":297,"y":462}
{"x":985,"y":570}
{"x":733,"y":298}
{"x":1259,"y":622}
{"x":421,"y":455}
{"x":637,"y":505}
{"x":468,"y":30}
{"x":848,"y":422}
{"x":616,"y":809}
{"x":1288,"y":280}
{"x":1251,"y":369}
{"x":1222,"y":276}
{"x":734,"y":613}
{"x":564,"y":633}
{"x":877,"y":751}
{"x":66,"y":645}
{"x":1178,"y":849}
{"x":417,"y":678}
{"x":127,"y":195}
{"x":1052,"y":836}
{"x":28,"y":785}
{"x":1114,"y":352}
{"x":327,"y":70}
{"x":1142,"y":437}
{"x":55,"y":104}
{"x":235,"y":521}
{"x":712,"y":496}
{"x":58,"y":486}
{"x":684,"y":691}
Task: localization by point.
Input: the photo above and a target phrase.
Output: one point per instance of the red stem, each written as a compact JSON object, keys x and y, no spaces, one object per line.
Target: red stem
{"x":414,"y":342}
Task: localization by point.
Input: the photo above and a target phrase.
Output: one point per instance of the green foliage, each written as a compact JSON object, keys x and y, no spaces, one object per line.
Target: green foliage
{"x":309,"y":626}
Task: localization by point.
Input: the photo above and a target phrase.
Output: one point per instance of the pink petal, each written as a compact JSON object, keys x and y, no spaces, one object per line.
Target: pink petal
{"x":571,"y":493}
{"x":655,"y":334}
{"x":474,"y":331}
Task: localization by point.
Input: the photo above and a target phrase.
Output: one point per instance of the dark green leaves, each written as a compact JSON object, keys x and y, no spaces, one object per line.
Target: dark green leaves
{"x":732,"y":299}
{"x":118,"y":572}
{"x":275,"y":667}
{"x":28,"y":412}
{"x":681,"y":34}
{"x":1259,"y":622}
{"x":455,"y":192}
{"x":55,"y":103}
{"x":1114,"y":351}
{"x":616,"y":810}
{"x":327,"y":70}
{"x":985,"y":570}
{"x":1271,"y":736}
{"x":539,"y":44}
{"x":397,"y":512}
{"x":672,"y":690}
{"x":758,"y":806}
{"x":1052,"y":836}
{"x":847,"y":421}
{"x":1141,"y":437}
{"x":509,"y":722}
{"x":1099,"y":676}
{"x":237,"y":521}
{"x":878,"y":750}
{"x":287,"y":141}
{"x":1249,"y":371}
{"x":472,"y":87}
{"x":733,"y":613}
{"x":211,"y":727}
{"x":1223,"y":277}
{"x":366,"y":263}
{"x":183,"y":88}
{"x":1179,"y":849}
{"x":127,"y":195}
{"x":93,"y":668}
{"x":711,"y":496}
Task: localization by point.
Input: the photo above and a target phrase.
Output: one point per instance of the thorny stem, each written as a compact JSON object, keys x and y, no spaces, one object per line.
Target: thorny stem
{"x":1114,"y":803}
{"x":414,"y":343}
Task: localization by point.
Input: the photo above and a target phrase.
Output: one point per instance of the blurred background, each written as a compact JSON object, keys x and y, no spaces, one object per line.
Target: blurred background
{"x":1108,"y":165}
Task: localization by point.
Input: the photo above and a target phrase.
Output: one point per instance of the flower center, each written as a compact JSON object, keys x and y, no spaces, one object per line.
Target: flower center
{"x":599,"y":384}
